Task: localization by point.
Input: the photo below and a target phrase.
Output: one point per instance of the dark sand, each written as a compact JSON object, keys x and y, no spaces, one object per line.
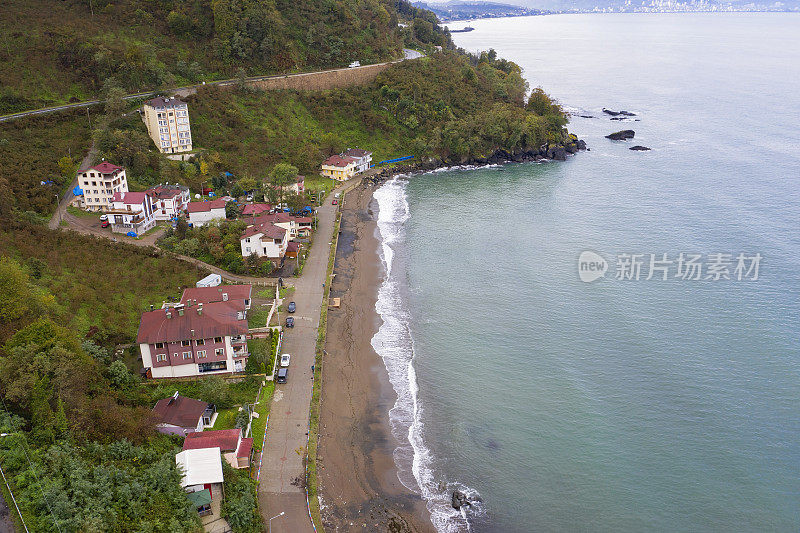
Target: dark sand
{"x":358,"y":480}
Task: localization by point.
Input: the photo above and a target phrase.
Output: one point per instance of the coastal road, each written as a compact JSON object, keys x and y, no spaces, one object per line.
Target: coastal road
{"x":281,"y":487}
{"x":191,"y":89}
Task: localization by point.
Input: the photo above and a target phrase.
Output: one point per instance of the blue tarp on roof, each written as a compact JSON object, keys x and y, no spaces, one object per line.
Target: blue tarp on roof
{"x":77,"y":191}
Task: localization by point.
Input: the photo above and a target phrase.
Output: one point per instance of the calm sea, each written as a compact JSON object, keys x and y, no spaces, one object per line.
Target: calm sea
{"x":616,"y":405}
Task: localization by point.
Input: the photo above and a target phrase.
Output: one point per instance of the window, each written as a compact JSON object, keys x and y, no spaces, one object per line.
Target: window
{"x":201,"y":354}
{"x":159,"y":345}
{"x":219,"y":351}
{"x":187,"y":355}
{"x":186,"y":343}
{"x":161,"y":357}
{"x":248,"y":250}
{"x":199,"y":342}
{"x":217,"y":339}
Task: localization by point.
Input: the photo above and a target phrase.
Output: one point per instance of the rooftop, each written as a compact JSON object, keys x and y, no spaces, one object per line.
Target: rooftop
{"x":227,"y":440}
{"x":217,"y":294}
{"x":165,"y":102}
{"x":268,"y":229}
{"x":200,"y":467}
{"x":106,"y":168}
{"x":202,"y":207}
{"x":166,"y":191}
{"x":356,"y":152}
{"x":338,"y":161}
{"x":136,"y":198}
{"x":256,"y":209}
{"x":215,"y":319}
{"x":179,"y":411}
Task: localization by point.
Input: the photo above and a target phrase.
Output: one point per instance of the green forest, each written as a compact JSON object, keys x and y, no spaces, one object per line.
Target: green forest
{"x":56,"y":51}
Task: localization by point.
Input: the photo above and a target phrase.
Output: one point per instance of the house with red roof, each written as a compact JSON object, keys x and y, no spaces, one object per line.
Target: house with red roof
{"x":363,"y":158}
{"x":254,"y":210}
{"x":168,"y":200}
{"x":99,"y":183}
{"x":179,"y":415}
{"x":265,"y":239}
{"x":131,"y":212}
{"x":340,"y":168}
{"x":220,"y":293}
{"x":201,"y":213}
{"x":195,"y":338}
{"x":235,"y":449}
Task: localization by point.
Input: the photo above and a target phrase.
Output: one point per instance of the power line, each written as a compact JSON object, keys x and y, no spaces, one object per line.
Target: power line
{"x":30,"y":463}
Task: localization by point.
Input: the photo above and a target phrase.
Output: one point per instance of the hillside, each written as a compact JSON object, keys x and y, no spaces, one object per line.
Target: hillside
{"x":55,"y":51}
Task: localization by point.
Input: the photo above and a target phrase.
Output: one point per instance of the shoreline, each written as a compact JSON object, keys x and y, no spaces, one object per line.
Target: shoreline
{"x":359,"y":488}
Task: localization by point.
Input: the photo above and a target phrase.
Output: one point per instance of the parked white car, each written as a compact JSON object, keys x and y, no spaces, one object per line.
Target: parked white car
{"x":285,"y":359}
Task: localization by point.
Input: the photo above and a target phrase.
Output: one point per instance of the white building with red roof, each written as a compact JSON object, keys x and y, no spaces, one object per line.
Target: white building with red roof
{"x":204,"y":334}
{"x":169,"y":201}
{"x":201,"y":213}
{"x":99,"y":183}
{"x":131,"y":212}
{"x":269,"y":235}
{"x":234,"y":448}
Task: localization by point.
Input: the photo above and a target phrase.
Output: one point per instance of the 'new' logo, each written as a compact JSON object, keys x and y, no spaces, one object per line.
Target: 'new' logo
{"x":591,"y":266}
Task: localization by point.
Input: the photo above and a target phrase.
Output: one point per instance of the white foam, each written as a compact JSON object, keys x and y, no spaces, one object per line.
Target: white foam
{"x":395,"y":344}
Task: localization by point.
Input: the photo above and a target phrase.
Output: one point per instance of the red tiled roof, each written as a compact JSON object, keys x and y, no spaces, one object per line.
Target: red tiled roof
{"x":227,"y":440}
{"x":134,"y":198}
{"x":164,"y":191}
{"x":256,"y":209}
{"x":357,"y":152}
{"x":245,"y":447}
{"x":201,"y":207}
{"x":303,"y":220}
{"x":106,"y":168}
{"x":272,"y":231}
{"x":338,"y":161}
{"x":182,"y":412}
{"x":218,"y":319}
{"x":208,"y":295}
{"x":292,"y":246}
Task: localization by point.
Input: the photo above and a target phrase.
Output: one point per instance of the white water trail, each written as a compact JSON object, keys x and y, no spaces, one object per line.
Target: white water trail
{"x":395,"y":344}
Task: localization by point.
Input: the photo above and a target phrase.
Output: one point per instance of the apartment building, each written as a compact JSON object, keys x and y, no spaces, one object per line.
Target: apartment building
{"x":204,"y":334}
{"x":169,"y":201}
{"x":167,"y":121}
{"x":131,"y":211}
{"x":99,"y":183}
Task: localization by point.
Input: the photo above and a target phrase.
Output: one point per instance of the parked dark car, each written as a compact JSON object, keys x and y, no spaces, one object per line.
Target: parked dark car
{"x":283,"y":373}
{"x":290,"y":322}
{"x":292,"y":307}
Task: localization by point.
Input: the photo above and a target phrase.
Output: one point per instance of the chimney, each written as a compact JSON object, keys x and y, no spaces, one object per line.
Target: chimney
{"x":200,"y":308}
{"x":193,"y":334}
{"x":224,"y":296}
{"x":151,"y":307}
{"x":169,"y":313}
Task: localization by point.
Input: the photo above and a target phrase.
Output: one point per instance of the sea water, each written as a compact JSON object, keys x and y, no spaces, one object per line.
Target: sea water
{"x":619,"y":404}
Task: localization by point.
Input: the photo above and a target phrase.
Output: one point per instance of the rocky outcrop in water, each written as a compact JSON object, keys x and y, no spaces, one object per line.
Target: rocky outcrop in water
{"x":460,"y":500}
{"x":618,"y":113}
{"x":621,"y":135}
{"x":639,"y":148}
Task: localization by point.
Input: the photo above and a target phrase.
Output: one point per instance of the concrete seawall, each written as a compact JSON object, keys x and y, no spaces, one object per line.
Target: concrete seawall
{"x":322,"y":81}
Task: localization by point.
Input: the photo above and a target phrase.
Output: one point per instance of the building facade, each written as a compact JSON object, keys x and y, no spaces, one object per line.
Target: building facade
{"x":339,"y":168}
{"x":201,"y":213}
{"x":167,"y":121}
{"x":169,"y":201}
{"x":131,"y":211}
{"x":363,"y":158}
{"x":99,"y":184}
{"x":204,"y":334}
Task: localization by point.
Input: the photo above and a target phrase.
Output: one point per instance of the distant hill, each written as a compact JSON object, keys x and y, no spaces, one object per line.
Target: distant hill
{"x":461,"y":10}
{"x":445,"y":9}
{"x":52,"y":51}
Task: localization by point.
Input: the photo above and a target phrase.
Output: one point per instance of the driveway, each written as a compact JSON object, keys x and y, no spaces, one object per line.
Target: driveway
{"x":282,"y":486}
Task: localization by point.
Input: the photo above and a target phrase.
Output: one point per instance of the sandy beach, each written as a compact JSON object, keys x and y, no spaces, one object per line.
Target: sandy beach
{"x":358,"y":481}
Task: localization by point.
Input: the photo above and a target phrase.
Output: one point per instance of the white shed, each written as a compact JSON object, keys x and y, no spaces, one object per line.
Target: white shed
{"x":212,"y":280}
{"x":201,"y":468}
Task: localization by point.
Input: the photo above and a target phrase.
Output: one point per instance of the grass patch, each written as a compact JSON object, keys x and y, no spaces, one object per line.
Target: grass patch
{"x":257,"y":316}
{"x":74,"y":211}
{"x":226,"y":418}
{"x":259,"y":424}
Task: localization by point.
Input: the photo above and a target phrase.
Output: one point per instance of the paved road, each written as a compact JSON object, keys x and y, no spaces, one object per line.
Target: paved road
{"x":282,"y":472}
{"x":190,"y":89}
